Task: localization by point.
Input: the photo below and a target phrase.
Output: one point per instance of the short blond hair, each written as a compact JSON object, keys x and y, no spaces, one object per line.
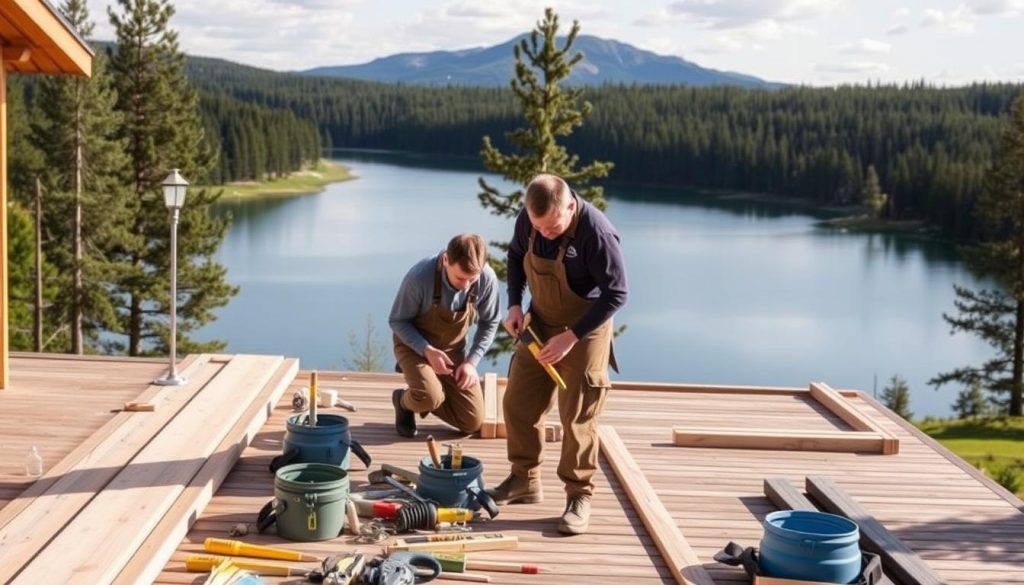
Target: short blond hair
{"x":544,"y":193}
{"x":469,"y":251}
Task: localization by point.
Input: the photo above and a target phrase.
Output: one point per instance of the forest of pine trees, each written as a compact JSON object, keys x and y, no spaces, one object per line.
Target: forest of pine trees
{"x":929,"y":146}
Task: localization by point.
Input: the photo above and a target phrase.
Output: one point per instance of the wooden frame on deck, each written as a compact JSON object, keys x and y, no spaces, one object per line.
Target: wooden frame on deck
{"x":866,"y":436}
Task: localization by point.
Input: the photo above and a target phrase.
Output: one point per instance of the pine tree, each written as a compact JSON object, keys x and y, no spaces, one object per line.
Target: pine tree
{"x":552,"y":113}
{"x":872,"y":196}
{"x":368,"y":354}
{"x":896,"y":397}
{"x":163,"y":130}
{"x":997,"y":316}
{"x":971,"y":402}
{"x":87,"y":204}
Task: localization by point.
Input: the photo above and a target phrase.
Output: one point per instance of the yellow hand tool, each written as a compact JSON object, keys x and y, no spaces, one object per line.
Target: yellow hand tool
{"x":534,"y":343}
{"x":205,"y":563}
{"x":313,"y":398}
{"x":222,"y":546}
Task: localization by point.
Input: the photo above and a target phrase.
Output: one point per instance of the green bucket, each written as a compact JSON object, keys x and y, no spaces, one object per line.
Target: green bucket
{"x":309,"y":502}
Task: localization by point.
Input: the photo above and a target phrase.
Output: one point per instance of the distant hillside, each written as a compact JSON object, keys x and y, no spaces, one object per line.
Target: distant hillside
{"x":605,"y":61}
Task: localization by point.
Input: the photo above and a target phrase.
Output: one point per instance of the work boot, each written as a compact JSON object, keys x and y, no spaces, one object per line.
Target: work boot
{"x":405,"y":419}
{"x":576,"y":517}
{"x":517,"y":489}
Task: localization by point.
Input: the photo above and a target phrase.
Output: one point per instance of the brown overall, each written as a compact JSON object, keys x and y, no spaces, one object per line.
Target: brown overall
{"x":428,"y":392}
{"x":530,"y":393}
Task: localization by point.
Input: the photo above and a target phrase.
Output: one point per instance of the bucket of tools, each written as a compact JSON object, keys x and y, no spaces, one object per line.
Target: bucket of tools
{"x":455,"y":488}
{"x":329,"y":441}
{"x":309,"y":502}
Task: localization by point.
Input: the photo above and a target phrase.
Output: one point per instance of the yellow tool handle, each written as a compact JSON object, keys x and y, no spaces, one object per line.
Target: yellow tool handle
{"x":205,"y":563}
{"x":222,"y":546}
{"x":550,"y":369}
{"x":454,"y":515}
{"x":313,"y":399}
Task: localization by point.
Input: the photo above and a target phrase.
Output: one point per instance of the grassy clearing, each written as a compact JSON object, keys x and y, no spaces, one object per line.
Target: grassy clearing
{"x":994,"y":445}
{"x":312,"y":180}
{"x":864,"y":224}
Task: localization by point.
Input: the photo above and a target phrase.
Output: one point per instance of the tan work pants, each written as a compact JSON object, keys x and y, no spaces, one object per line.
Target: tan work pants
{"x":438,"y":395}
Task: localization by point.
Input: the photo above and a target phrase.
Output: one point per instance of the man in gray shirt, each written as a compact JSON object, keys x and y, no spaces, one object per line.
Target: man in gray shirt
{"x":440,"y":298}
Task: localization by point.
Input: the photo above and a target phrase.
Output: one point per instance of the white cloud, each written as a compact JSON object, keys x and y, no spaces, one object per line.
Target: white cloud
{"x":739,"y":13}
{"x":900,"y":12}
{"x":898,"y":30}
{"x":866,"y":47}
{"x":960,"y":19}
{"x":853,"y":67}
{"x":997,"y":7}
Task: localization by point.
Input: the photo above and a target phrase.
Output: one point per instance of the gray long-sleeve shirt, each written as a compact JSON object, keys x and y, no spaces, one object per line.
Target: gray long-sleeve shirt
{"x":415,"y":297}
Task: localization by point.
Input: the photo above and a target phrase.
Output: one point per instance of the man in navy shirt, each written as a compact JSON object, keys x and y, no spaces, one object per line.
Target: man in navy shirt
{"x":440,"y":298}
{"x":568,"y":254}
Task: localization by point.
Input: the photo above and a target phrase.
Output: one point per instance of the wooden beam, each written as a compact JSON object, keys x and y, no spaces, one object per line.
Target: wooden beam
{"x":58,"y":48}
{"x":784,"y":440}
{"x":12,"y":54}
{"x":135,"y":501}
{"x":156,"y":551}
{"x":898,"y":560}
{"x":5,"y":374}
{"x":490,"y":388}
{"x":842,"y":408}
{"x":679,"y":557}
{"x":706,"y":388}
{"x":785,"y":496}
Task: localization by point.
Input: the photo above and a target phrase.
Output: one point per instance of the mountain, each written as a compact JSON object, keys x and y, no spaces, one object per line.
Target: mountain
{"x":605,"y":61}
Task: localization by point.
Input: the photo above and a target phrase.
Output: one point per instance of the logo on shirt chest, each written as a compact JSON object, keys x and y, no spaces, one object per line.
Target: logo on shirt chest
{"x":570,"y":252}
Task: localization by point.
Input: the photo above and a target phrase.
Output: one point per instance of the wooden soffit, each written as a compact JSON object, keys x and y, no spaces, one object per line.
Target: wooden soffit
{"x":34,"y":38}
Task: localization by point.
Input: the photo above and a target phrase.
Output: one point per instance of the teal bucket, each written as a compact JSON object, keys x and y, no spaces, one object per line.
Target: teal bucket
{"x":455,"y":488}
{"x":309,"y":502}
{"x":328,"y":442}
{"x":809,"y":545}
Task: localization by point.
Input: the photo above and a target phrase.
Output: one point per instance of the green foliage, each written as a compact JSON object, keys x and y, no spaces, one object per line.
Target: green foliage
{"x":930,"y":146}
{"x":997,"y":316}
{"x":21,"y":263}
{"x":896,"y":397}
{"x":1009,"y":477}
{"x":368,"y":354}
{"x":991,"y":444}
{"x":163,"y":131}
{"x":551,"y":112}
{"x":87,"y":204}
{"x":872,"y":196}
{"x":971,"y":402}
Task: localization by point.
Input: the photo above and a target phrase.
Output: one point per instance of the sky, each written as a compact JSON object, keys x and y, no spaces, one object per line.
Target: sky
{"x":810,"y":42}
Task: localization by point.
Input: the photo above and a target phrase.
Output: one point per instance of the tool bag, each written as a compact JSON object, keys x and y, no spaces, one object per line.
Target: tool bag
{"x":735,"y":555}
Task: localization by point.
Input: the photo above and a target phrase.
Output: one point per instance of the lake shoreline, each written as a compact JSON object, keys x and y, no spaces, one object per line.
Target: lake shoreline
{"x":305,"y":182}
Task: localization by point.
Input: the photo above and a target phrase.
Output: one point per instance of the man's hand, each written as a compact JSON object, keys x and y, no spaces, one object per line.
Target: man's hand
{"x":466,"y":376}
{"x":438,"y":360}
{"x":557,"y":347}
{"x":514,"y":321}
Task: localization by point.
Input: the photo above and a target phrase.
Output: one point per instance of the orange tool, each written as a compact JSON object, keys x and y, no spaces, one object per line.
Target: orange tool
{"x":435,"y":455}
{"x":534,"y":343}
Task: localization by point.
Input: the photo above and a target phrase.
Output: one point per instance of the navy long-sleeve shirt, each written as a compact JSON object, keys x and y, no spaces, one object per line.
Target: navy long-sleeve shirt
{"x":594,"y":264}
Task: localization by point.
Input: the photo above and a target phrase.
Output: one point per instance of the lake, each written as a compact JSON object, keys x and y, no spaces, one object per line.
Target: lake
{"x":724,"y":290}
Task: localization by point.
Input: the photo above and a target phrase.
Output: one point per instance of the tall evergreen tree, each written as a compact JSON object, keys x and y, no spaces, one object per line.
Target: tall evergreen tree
{"x":997,"y":316}
{"x":552,"y":112}
{"x":163,"y":130}
{"x":87,"y":204}
{"x":896,"y":397}
{"x":872,"y":196}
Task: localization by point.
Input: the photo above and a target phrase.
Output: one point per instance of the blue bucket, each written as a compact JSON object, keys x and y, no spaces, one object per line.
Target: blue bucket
{"x":809,"y":545}
{"x":328,"y":442}
{"x":455,"y":488}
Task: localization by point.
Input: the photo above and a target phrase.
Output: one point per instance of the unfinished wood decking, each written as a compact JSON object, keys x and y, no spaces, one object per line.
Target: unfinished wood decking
{"x":965,"y":527}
